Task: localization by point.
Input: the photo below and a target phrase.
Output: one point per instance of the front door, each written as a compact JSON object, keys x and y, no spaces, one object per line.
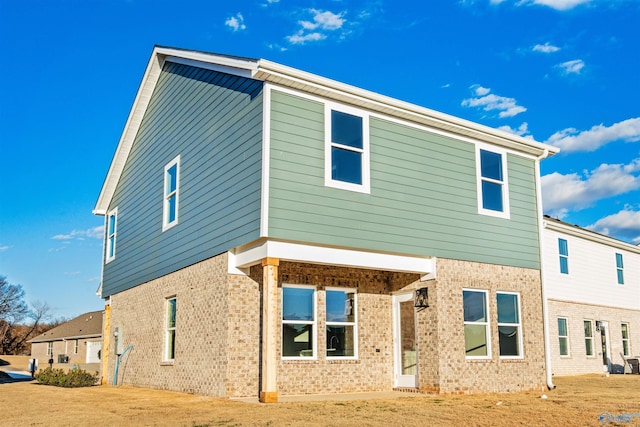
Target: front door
{"x":605,"y":346}
{"x":404,"y":341}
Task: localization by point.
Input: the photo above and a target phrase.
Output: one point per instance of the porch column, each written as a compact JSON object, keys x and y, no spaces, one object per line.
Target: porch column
{"x":270,"y":331}
{"x":104,"y":351}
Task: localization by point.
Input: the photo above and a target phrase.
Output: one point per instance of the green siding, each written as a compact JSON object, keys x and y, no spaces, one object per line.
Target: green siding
{"x":423,"y":198}
{"x":214,"y":121}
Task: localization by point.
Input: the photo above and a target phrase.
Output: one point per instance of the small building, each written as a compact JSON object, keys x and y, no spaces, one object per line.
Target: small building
{"x":592,"y":284}
{"x":269,"y":231}
{"x":76,"y":342}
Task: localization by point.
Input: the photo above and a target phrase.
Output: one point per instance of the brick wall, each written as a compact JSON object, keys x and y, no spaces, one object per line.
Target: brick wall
{"x":577,"y":362}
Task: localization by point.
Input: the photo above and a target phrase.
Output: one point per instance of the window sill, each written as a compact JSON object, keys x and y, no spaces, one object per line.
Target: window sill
{"x":167,"y":363}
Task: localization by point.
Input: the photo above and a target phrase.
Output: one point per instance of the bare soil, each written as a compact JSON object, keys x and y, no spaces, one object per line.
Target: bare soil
{"x":576,"y":401}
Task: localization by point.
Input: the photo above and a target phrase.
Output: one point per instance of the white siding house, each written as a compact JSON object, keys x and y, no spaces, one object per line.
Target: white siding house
{"x":592,"y":285}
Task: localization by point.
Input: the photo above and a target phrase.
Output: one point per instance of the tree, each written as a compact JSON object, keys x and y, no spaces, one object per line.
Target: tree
{"x":14,"y":333}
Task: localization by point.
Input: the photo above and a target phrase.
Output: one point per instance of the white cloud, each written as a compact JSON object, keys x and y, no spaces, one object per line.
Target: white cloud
{"x":93,"y":233}
{"x":571,"y":140}
{"x":316,"y":29}
{"x":236,"y":23}
{"x":522,"y":130}
{"x":624,"y":225}
{"x":572,"y":67}
{"x":507,"y":107}
{"x":573,"y":192}
{"x":545,"y":48}
{"x":4,"y":248}
{"x":560,"y":4}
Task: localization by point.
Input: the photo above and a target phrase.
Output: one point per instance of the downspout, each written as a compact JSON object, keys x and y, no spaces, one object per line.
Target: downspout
{"x":545,"y":308}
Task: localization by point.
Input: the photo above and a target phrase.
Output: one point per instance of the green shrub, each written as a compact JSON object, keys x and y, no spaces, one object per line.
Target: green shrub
{"x":62,"y":378}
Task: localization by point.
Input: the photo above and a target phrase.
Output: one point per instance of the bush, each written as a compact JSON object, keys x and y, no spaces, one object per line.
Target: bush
{"x":62,"y":378}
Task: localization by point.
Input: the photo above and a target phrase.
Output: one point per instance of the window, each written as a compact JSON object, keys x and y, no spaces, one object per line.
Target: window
{"x":112,"y":218}
{"x":171,"y":193}
{"x":476,"y":324}
{"x":298,"y":321}
{"x":620,"y":269}
{"x":347,"y":149}
{"x":492,"y":183}
{"x":50,"y":349}
{"x":563,"y":249}
{"x":625,"y":339}
{"x":341,"y":323}
{"x":170,"y":330}
{"x":75,"y":347}
{"x":588,"y":337}
{"x":509,"y":327}
{"x":563,"y":336}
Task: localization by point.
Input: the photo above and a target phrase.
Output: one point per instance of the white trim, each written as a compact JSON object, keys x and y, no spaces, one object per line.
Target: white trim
{"x":313,"y":323}
{"x":211,"y":66}
{"x":354,"y":324}
{"x":249,"y":255}
{"x":399,"y":379}
{"x":517,"y":325}
{"x":266,"y":161}
{"x":566,"y":325}
{"x":113,"y":212}
{"x":365,"y":187}
{"x":486,"y":323}
{"x":167,"y":196}
{"x":506,"y":212}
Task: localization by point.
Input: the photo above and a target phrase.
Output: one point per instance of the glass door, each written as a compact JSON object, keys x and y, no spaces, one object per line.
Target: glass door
{"x":404,"y":334}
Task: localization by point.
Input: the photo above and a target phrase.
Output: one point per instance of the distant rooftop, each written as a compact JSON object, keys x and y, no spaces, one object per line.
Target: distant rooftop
{"x":84,"y":326}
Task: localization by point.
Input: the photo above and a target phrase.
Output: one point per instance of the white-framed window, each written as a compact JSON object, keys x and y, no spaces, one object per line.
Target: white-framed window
{"x":477,"y":343}
{"x":493,"y":188}
{"x":347,"y":148}
{"x":171,"y":194}
{"x":170,"y":330}
{"x":563,"y":250}
{"x":50,"y":349}
{"x":588,"y":337}
{"x":341,"y":323}
{"x":563,"y":336}
{"x":112,"y":229}
{"x":509,"y":325}
{"x":625,"y":339}
{"x":620,"y":269}
{"x":75,"y":347}
{"x":298,"y":322}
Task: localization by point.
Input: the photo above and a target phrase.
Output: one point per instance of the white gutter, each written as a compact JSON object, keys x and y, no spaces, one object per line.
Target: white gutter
{"x":545,"y":307}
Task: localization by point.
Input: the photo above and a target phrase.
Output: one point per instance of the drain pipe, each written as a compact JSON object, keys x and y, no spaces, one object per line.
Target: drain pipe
{"x":115,"y":374}
{"x":545,"y":308}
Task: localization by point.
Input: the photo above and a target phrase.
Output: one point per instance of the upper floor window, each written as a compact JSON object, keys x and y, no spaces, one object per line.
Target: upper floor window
{"x":588,"y":337}
{"x":620,"y":269}
{"x":298,"y":321}
{"x":347,"y":149}
{"x":112,"y":219}
{"x":493,"y":195}
{"x":341,"y":323}
{"x":509,"y":324}
{"x":563,"y":249}
{"x":170,"y":330}
{"x":625,"y":339}
{"x":476,"y":324}
{"x":171,"y":193}
{"x":563,"y":336}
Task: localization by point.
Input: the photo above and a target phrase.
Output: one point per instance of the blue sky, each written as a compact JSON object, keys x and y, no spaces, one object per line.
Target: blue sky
{"x":560,"y":71}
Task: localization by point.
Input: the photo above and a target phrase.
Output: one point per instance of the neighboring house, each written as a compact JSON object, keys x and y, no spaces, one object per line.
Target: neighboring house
{"x":270,"y":231}
{"x":76,"y":342}
{"x":592,"y":284}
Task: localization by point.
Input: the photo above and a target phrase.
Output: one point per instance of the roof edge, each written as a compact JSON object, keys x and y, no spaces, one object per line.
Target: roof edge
{"x":577,"y":231}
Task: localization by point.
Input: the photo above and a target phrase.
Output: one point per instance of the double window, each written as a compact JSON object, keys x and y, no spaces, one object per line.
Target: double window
{"x":171,"y":194}
{"x":476,"y":324}
{"x":493,"y":194}
{"x":588,"y":337}
{"x":170,"y":330}
{"x":563,"y":249}
{"x":563,"y":336}
{"x":620,"y":269}
{"x":346,"y":149}
{"x":625,"y":339}
{"x":509,"y":325}
{"x":112,"y":225}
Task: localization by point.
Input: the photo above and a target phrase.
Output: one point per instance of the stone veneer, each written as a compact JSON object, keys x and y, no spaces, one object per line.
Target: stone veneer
{"x":577,"y":362}
{"x":218,"y":331}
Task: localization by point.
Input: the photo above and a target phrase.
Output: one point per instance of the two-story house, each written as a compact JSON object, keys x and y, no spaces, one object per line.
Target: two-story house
{"x":269,"y":231}
{"x":592,"y":283}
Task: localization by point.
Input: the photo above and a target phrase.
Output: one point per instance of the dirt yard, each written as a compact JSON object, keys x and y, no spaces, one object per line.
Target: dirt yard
{"x":577,"y":401}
